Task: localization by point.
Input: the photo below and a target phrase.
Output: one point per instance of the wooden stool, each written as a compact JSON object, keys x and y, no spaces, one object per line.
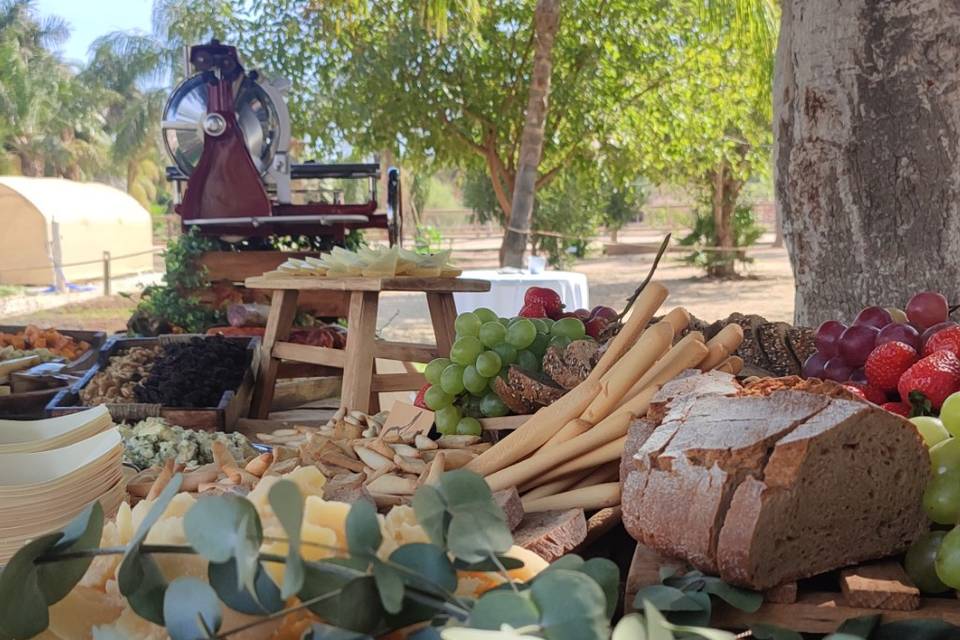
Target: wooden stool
{"x":361,"y":383}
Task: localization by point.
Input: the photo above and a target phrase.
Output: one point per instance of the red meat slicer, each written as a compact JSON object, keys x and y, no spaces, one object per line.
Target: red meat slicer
{"x":228,"y":133}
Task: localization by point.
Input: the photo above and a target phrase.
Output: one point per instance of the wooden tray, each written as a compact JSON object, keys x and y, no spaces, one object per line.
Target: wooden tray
{"x":233,"y":404}
{"x":817,"y":605}
{"x":84,"y":362}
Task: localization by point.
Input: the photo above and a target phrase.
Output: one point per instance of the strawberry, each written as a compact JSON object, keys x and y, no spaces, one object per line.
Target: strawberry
{"x":899,"y":408}
{"x":533,"y":310}
{"x":887,"y":363}
{"x":935,"y":377}
{"x":549,"y":298}
{"x":420,"y":401}
{"x":868,"y":392}
{"x":948,"y":339}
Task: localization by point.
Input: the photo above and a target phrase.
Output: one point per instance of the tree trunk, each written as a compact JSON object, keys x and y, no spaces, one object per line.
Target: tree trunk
{"x":546,"y":20}
{"x":867,"y":154}
{"x":777,"y":226}
{"x":726,"y":190}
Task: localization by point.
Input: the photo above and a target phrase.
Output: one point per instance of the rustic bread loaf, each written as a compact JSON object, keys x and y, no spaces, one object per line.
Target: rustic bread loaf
{"x":552,"y":534}
{"x":747,"y":487}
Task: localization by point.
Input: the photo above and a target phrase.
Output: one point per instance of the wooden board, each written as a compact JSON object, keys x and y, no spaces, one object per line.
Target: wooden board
{"x":400,"y":283}
{"x":237,"y":266}
{"x":96,"y":339}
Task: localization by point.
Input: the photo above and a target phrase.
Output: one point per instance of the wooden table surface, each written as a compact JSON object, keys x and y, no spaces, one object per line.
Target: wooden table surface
{"x":399,"y":283}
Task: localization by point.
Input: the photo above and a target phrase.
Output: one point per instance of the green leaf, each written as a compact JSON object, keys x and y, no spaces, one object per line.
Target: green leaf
{"x":606,"y":574}
{"x":488,"y":564}
{"x":131,"y":571}
{"x":191,"y":610}
{"x":698,"y":618}
{"x":464,"y":490}
{"x":428,"y":561}
{"x":351,"y":603}
{"x":475,"y":535}
{"x":861,"y":627}
{"x":630,"y":627}
{"x":496,"y":608}
{"x":23,"y":606}
{"x":666,"y":598}
{"x":320,"y":631}
{"x":657,"y":625}
{"x":570,"y":562}
{"x":146,"y":599}
{"x":431,"y":512}
{"x":363,"y":529}
{"x":773,"y":632}
{"x":223,"y":579}
{"x":390,"y":585}
{"x":216,"y":526}
{"x":56,"y":580}
{"x":742,"y":599}
{"x":572,"y":605}
{"x":287,"y":502}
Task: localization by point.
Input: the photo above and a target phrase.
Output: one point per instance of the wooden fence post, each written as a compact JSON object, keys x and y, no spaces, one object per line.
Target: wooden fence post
{"x":106,"y":273}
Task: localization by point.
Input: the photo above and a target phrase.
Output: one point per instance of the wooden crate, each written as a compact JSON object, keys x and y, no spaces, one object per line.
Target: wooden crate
{"x":233,"y":405}
{"x":817,"y":605}
{"x":84,"y":362}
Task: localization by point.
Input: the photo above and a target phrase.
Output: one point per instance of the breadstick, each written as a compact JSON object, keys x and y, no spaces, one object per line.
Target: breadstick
{"x":644,"y":307}
{"x":595,"y":497}
{"x":651,"y":346}
{"x":570,"y":430}
{"x":678,"y":318}
{"x":201,"y":475}
{"x":607,"y":453}
{"x":604,"y":473}
{"x":533,"y":433}
{"x":732,"y":365}
{"x":686,"y":354}
{"x":539,"y":490}
{"x":722,"y":346}
{"x":164,"y":477}
{"x":259,"y":465}
{"x":436,"y":469}
{"x":222,"y":456}
{"x":610,"y":428}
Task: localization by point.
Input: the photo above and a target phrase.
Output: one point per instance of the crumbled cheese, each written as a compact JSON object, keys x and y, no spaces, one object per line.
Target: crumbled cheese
{"x":152,"y":441}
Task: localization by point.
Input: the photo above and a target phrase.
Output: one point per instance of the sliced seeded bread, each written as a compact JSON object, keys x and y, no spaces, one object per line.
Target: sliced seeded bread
{"x":535,"y":388}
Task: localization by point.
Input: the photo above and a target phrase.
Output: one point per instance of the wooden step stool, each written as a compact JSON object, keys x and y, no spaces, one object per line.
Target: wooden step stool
{"x":361,"y":383}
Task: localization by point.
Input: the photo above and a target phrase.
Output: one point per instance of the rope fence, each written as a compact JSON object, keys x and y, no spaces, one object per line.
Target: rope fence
{"x":106,"y":261}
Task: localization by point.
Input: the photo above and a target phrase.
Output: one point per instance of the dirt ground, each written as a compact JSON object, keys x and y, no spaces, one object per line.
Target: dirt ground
{"x":766,"y":289}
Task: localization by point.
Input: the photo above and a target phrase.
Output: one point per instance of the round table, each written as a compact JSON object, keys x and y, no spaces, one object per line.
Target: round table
{"x":508,"y":286}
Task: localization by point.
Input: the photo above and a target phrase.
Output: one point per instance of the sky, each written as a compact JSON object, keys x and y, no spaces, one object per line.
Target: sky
{"x":90,"y":19}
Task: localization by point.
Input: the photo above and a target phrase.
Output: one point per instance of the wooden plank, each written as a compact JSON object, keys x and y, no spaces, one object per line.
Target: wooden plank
{"x":237,"y":266}
{"x":645,"y":571}
{"x":443,"y":313}
{"x":387,"y":382}
{"x":820,"y":612}
{"x":290,"y":394}
{"x":283,"y":309}
{"x":308,"y":353}
{"x":785,"y":593}
{"x":290,"y":369}
{"x":879,"y":585}
{"x":402,"y":283}
{"x":506,"y":423}
{"x":359,"y":366}
{"x":406,"y":351}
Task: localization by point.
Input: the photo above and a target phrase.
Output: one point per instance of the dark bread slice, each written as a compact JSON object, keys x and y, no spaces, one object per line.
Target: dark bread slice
{"x":552,"y":534}
{"x":511,"y":397}
{"x":509,"y":501}
{"x":570,"y":366}
{"x":535,"y":388}
{"x":844,"y":487}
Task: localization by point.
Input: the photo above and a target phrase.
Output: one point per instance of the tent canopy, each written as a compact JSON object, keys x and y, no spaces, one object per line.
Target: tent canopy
{"x":91,"y":218}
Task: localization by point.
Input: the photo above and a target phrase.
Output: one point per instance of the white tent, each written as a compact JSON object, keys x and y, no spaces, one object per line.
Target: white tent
{"x":91,"y":218}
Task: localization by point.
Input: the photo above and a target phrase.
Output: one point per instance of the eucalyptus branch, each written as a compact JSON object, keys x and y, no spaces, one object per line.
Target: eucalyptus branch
{"x":503,"y":572}
{"x":278,"y":614}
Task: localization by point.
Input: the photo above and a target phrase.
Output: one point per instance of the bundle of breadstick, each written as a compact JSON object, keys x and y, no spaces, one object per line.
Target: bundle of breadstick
{"x":567,"y":454}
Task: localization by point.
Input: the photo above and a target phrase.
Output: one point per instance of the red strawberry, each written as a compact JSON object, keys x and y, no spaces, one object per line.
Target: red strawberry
{"x":869,"y":392}
{"x":936,"y":376}
{"x":887,"y":363}
{"x":420,"y":402}
{"x":595,"y":326}
{"x":899,"y":408}
{"x":549,"y":298}
{"x":948,"y":339}
{"x":533,"y":310}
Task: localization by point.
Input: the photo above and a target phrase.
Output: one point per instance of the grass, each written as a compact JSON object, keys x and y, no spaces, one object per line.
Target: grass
{"x":10,"y":290}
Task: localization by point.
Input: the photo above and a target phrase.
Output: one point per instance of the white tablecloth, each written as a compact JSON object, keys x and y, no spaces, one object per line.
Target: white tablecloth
{"x":506,"y":290}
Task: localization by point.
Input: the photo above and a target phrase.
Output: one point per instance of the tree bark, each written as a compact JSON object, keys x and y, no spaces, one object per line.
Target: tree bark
{"x":867,"y":153}
{"x":726,"y":190}
{"x":546,"y":20}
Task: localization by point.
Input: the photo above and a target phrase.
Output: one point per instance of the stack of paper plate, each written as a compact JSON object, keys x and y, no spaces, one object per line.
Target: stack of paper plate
{"x":26,"y":436}
{"x":41,"y":491}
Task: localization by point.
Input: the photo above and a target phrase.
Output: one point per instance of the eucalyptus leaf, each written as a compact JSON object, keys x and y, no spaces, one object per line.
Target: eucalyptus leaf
{"x":428,"y":561}
{"x":570,"y":562}
{"x":572,"y":606}
{"x":773,"y":632}
{"x":56,"y":580}
{"x":927,"y":629}
{"x":475,"y":535}
{"x":666,"y":598}
{"x":23,"y":606}
{"x":657,"y":626}
{"x":697,"y":618}
{"x":146,"y":599}
{"x":431,"y":512}
{"x":426,"y":633}
{"x":217,"y":525}
{"x":496,"y":608}
{"x":322,"y":591}
{"x":247,"y":551}
{"x":131,"y":571}
{"x":464,"y":490}
{"x":487,"y":564}
{"x":287,"y":502}
{"x":630,"y":627}
{"x":363,"y":529}
{"x":191,"y":610}
{"x":223,"y":579}
{"x":320,"y":631}
{"x":359,"y":605}
{"x":390,"y":585}
{"x":861,"y":627}
{"x":606,"y":574}
{"x":742,"y":599}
